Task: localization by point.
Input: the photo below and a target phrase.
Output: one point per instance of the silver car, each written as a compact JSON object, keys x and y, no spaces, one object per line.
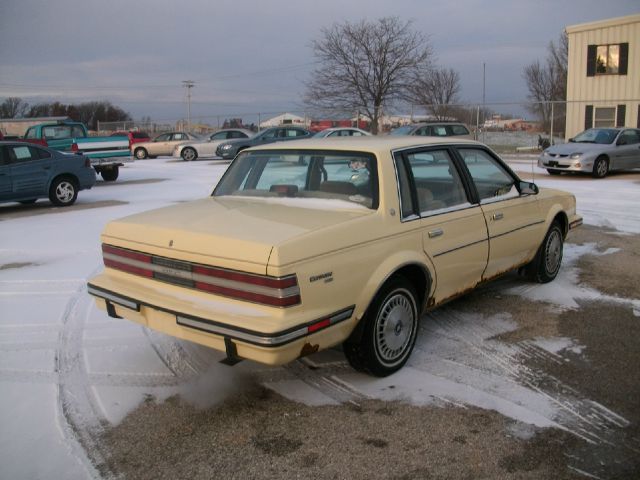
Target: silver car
{"x":597,"y":151}
{"x":342,"y":132}
{"x":207,"y":148}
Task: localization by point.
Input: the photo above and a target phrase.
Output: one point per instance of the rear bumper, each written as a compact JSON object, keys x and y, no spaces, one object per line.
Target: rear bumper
{"x":272,"y":348}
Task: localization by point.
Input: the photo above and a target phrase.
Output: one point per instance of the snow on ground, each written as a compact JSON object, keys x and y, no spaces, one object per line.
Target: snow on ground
{"x":65,"y":366}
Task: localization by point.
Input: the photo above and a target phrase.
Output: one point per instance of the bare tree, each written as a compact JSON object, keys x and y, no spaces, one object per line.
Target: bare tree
{"x":547,"y":82}
{"x":365,"y":66}
{"x":437,"y":91}
{"x":13,"y":107}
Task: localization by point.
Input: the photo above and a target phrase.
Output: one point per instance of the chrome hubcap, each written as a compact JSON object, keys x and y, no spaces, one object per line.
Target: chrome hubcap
{"x":189,"y":154}
{"x":553,"y":253}
{"x":602,"y":168}
{"x":64,"y":192}
{"x":394,"y":328}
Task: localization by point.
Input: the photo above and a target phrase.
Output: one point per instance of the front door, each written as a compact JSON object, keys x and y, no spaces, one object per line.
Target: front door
{"x":514,"y":221}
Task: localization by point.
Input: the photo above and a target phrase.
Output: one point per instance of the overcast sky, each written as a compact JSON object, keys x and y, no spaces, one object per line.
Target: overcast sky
{"x":249,"y":56}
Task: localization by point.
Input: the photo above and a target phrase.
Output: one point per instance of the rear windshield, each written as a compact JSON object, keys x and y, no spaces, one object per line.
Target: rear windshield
{"x":303,"y":175}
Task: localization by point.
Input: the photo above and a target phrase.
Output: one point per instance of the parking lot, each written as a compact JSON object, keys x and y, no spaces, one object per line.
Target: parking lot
{"x":516,"y":380}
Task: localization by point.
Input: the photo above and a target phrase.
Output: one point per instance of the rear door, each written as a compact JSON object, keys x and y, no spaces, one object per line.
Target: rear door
{"x":433,"y":197}
{"x":31,"y":169}
{"x":514,"y":221}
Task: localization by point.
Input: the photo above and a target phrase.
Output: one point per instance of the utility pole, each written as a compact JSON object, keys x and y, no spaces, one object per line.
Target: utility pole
{"x":188,"y":84}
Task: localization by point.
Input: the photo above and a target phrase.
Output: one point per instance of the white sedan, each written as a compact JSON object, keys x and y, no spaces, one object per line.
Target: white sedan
{"x":342,"y":132}
{"x":207,"y":148}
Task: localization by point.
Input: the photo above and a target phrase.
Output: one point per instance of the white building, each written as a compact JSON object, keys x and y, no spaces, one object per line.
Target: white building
{"x":603,"y":78}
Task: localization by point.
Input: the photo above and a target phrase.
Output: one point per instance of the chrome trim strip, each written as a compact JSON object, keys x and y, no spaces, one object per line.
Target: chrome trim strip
{"x":197,"y":277}
{"x":210,"y":326}
{"x":114,"y":298}
{"x":228,"y":332}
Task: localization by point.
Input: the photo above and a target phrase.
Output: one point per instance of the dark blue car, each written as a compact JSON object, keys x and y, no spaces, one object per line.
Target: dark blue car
{"x":29,"y":172}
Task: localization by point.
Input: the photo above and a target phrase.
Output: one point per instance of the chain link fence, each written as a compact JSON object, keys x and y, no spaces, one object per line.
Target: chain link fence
{"x":506,"y":127}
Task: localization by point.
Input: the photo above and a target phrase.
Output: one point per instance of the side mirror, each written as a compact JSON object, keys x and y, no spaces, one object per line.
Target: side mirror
{"x":528,"y":188}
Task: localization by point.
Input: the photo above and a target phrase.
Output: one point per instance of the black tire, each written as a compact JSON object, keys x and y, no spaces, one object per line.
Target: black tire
{"x":389,"y":330}
{"x":553,"y":172}
{"x":31,"y":201}
{"x":63,"y":191}
{"x":110,"y":174}
{"x":546,"y":264}
{"x":600,"y":167}
{"x":141,"y":153}
{"x":189,"y":154}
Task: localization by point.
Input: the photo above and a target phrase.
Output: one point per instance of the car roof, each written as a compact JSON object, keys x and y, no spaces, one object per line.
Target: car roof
{"x":369,"y":144}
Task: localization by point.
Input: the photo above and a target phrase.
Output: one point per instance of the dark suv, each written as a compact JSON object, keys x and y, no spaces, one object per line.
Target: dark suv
{"x":435,"y":129}
{"x":270,"y":135}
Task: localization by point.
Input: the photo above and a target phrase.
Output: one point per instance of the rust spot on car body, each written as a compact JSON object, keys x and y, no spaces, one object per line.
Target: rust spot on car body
{"x":309,"y":349}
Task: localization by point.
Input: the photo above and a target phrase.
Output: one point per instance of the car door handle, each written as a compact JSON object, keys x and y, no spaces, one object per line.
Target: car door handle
{"x":436,"y":233}
{"x":498,"y":216}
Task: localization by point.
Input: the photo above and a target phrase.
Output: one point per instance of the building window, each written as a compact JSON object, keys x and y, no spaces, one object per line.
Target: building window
{"x":604,"y":117}
{"x":609,"y":59}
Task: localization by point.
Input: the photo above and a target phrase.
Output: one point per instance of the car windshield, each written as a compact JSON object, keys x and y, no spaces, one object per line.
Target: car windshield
{"x":596,"y":135}
{"x":406,"y":130}
{"x":303,"y":175}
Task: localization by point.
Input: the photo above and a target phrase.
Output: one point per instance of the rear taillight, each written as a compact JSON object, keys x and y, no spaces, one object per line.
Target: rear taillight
{"x":74,"y":147}
{"x":272,"y":291}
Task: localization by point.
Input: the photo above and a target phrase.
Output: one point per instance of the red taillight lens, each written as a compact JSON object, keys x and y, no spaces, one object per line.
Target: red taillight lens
{"x":74,"y":147}
{"x":273,"y":291}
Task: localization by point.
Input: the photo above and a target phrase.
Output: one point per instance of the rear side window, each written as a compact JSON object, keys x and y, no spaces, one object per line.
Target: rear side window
{"x":31,"y":133}
{"x":436,"y":181}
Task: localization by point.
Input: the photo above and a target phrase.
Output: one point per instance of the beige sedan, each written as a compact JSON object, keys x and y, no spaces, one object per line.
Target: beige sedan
{"x":309,"y":244}
{"x":161,"y":145}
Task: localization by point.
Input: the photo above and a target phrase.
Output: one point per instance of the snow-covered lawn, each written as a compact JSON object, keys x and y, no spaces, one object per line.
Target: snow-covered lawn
{"x":65,"y":366}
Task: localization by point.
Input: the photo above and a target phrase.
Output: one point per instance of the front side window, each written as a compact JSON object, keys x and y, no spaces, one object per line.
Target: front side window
{"x":492,"y":181}
{"x":303,"y":175}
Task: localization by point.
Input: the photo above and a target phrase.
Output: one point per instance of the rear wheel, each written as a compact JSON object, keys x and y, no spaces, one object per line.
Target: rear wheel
{"x":546,"y":264}
{"x":189,"y":154}
{"x":141,"y":153}
{"x":600,"y":167}
{"x":63,"y":192}
{"x":110,"y":175}
{"x":389,"y":331}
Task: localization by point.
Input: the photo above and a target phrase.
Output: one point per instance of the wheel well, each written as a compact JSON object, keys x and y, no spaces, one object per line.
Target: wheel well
{"x":68,"y":176}
{"x":562,"y":219}
{"x":419,"y":277}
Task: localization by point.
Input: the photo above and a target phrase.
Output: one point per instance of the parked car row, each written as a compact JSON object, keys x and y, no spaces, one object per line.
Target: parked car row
{"x":29,"y":172}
